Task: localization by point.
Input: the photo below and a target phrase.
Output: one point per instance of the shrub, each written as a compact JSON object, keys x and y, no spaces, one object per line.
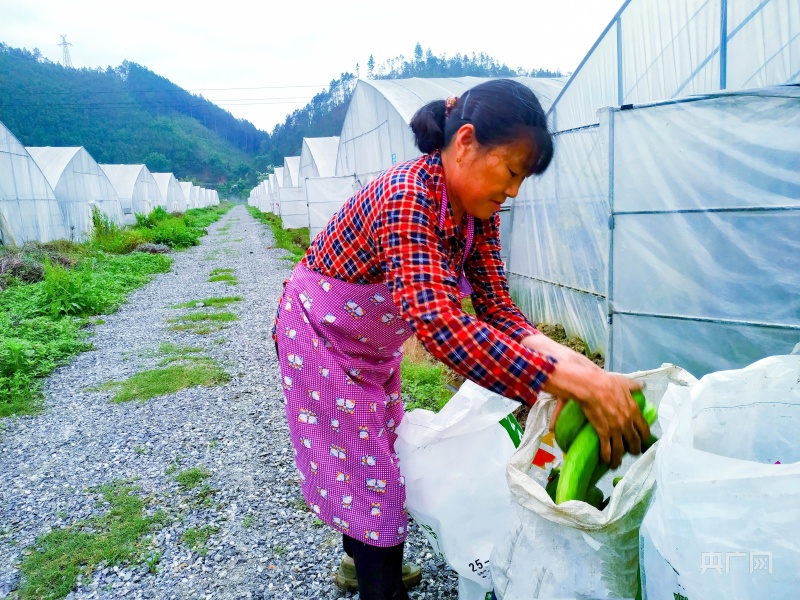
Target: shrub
{"x":73,"y":292}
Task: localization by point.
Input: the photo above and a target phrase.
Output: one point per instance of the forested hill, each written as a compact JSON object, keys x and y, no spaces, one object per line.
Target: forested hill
{"x":126,"y":115}
{"x":324,"y":115}
{"x":130,"y":115}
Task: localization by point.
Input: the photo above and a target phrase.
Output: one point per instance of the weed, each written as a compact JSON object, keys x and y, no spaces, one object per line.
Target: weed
{"x":195,"y":317}
{"x":196,"y":538}
{"x":191,"y":478}
{"x":209,"y":302}
{"x":226,"y":277}
{"x":317,"y":522}
{"x":298,"y":504}
{"x":38,"y":325}
{"x":423,"y":385}
{"x":168,"y":380}
{"x":213,"y":444}
{"x":51,"y":570}
{"x":202,"y":497}
{"x":248,"y":521}
{"x":279,"y":550}
{"x":139,"y":450}
{"x":202,"y":323}
{"x":175,"y":353}
{"x":151,"y":559}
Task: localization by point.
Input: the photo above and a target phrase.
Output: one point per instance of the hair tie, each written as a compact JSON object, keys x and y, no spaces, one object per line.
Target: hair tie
{"x":449,"y":105}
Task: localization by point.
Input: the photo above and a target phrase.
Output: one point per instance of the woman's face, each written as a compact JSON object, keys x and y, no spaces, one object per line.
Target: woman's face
{"x":484,"y":178}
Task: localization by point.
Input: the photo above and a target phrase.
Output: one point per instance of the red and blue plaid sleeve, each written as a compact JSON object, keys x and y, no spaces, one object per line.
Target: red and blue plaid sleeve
{"x":490,"y":296}
{"x":425,"y":288}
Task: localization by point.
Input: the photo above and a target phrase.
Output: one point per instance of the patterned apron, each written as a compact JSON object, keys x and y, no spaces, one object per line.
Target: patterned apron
{"x":340,"y":347}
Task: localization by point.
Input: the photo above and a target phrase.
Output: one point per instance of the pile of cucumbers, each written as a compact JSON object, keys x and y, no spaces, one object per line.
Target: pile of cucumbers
{"x":576,"y":479}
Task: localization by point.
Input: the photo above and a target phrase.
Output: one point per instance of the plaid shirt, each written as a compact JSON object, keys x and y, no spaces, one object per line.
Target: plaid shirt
{"x":388,"y":232}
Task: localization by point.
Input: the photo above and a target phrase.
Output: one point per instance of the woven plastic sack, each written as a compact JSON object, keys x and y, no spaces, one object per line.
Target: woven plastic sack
{"x":454,"y":465}
{"x":573,"y":550}
{"x":725,"y":521}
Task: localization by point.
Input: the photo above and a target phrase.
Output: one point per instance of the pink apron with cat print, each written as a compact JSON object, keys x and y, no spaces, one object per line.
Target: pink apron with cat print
{"x":340,"y":347}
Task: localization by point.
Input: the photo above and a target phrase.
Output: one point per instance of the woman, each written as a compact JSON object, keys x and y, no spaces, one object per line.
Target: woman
{"x":396,"y":261}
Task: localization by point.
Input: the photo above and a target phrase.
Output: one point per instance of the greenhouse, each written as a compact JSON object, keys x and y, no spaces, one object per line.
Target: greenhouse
{"x":171,"y":192}
{"x":292,"y":198}
{"x":568,"y":233}
{"x":317,"y":158}
{"x":189,"y":195}
{"x":375,"y":134}
{"x":277,"y":184}
{"x":137,"y":190}
{"x":272,"y":191}
{"x":28,"y":207}
{"x":79,"y":184}
{"x":324,"y":192}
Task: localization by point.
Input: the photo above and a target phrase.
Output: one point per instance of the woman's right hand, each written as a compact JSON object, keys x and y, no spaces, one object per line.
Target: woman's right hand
{"x":604,"y":397}
{"x":610,"y":408}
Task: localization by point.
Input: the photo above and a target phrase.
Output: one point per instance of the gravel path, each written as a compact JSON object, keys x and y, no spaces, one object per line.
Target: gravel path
{"x":268,"y":544}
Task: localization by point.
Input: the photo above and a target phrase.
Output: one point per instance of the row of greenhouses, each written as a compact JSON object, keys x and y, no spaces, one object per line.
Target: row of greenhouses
{"x":49,"y":193}
{"x":667,"y":228}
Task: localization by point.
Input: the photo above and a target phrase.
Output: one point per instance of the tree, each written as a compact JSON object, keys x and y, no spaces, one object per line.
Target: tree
{"x":370,"y":66}
{"x":157,"y":163}
{"x":418,"y":53}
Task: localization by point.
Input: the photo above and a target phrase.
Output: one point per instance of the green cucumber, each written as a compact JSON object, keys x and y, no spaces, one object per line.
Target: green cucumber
{"x":580,"y":462}
{"x":571,"y":419}
{"x":600,"y":470}
{"x":639,"y":398}
{"x":594,"y":497}
{"x":568,"y":424}
{"x":650,"y":413}
{"x":552,"y":483}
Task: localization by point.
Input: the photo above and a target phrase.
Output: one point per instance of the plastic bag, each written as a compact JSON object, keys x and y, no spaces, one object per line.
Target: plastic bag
{"x":454,"y":464}
{"x":725,"y":522}
{"x":572,"y":549}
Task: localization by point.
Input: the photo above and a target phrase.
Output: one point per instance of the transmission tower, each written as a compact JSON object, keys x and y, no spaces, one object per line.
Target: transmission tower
{"x":65,"y":45}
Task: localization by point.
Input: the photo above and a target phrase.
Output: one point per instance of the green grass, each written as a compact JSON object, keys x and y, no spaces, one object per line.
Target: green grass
{"x":51,"y":569}
{"x":191,"y":478}
{"x":296,"y":241}
{"x":173,"y":353}
{"x":42,"y":324}
{"x":423,"y":385}
{"x":209,"y":302}
{"x":202,"y":323}
{"x":248,"y":521}
{"x":167,"y":380}
{"x":225,"y":275}
{"x":195,"y":317}
{"x":196,"y":538}
{"x":42,"y":320}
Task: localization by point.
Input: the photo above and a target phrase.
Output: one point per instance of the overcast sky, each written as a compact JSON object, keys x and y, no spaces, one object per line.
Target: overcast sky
{"x":290,"y":50}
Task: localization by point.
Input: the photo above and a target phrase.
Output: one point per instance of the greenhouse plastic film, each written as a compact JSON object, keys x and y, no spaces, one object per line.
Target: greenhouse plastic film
{"x":706,"y":252}
{"x":559,"y":248}
{"x":293,"y":208}
{"x":28,"y":206}
{"x":325,"y":196}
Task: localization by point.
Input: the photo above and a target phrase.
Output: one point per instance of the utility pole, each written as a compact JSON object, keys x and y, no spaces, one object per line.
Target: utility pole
{"x":65,"y":45}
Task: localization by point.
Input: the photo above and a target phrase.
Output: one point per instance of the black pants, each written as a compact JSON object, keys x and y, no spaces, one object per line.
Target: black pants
{"x":379,"y":570}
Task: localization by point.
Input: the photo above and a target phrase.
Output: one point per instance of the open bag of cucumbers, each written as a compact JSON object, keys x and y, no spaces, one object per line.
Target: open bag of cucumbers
{"x":574,"y":532}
